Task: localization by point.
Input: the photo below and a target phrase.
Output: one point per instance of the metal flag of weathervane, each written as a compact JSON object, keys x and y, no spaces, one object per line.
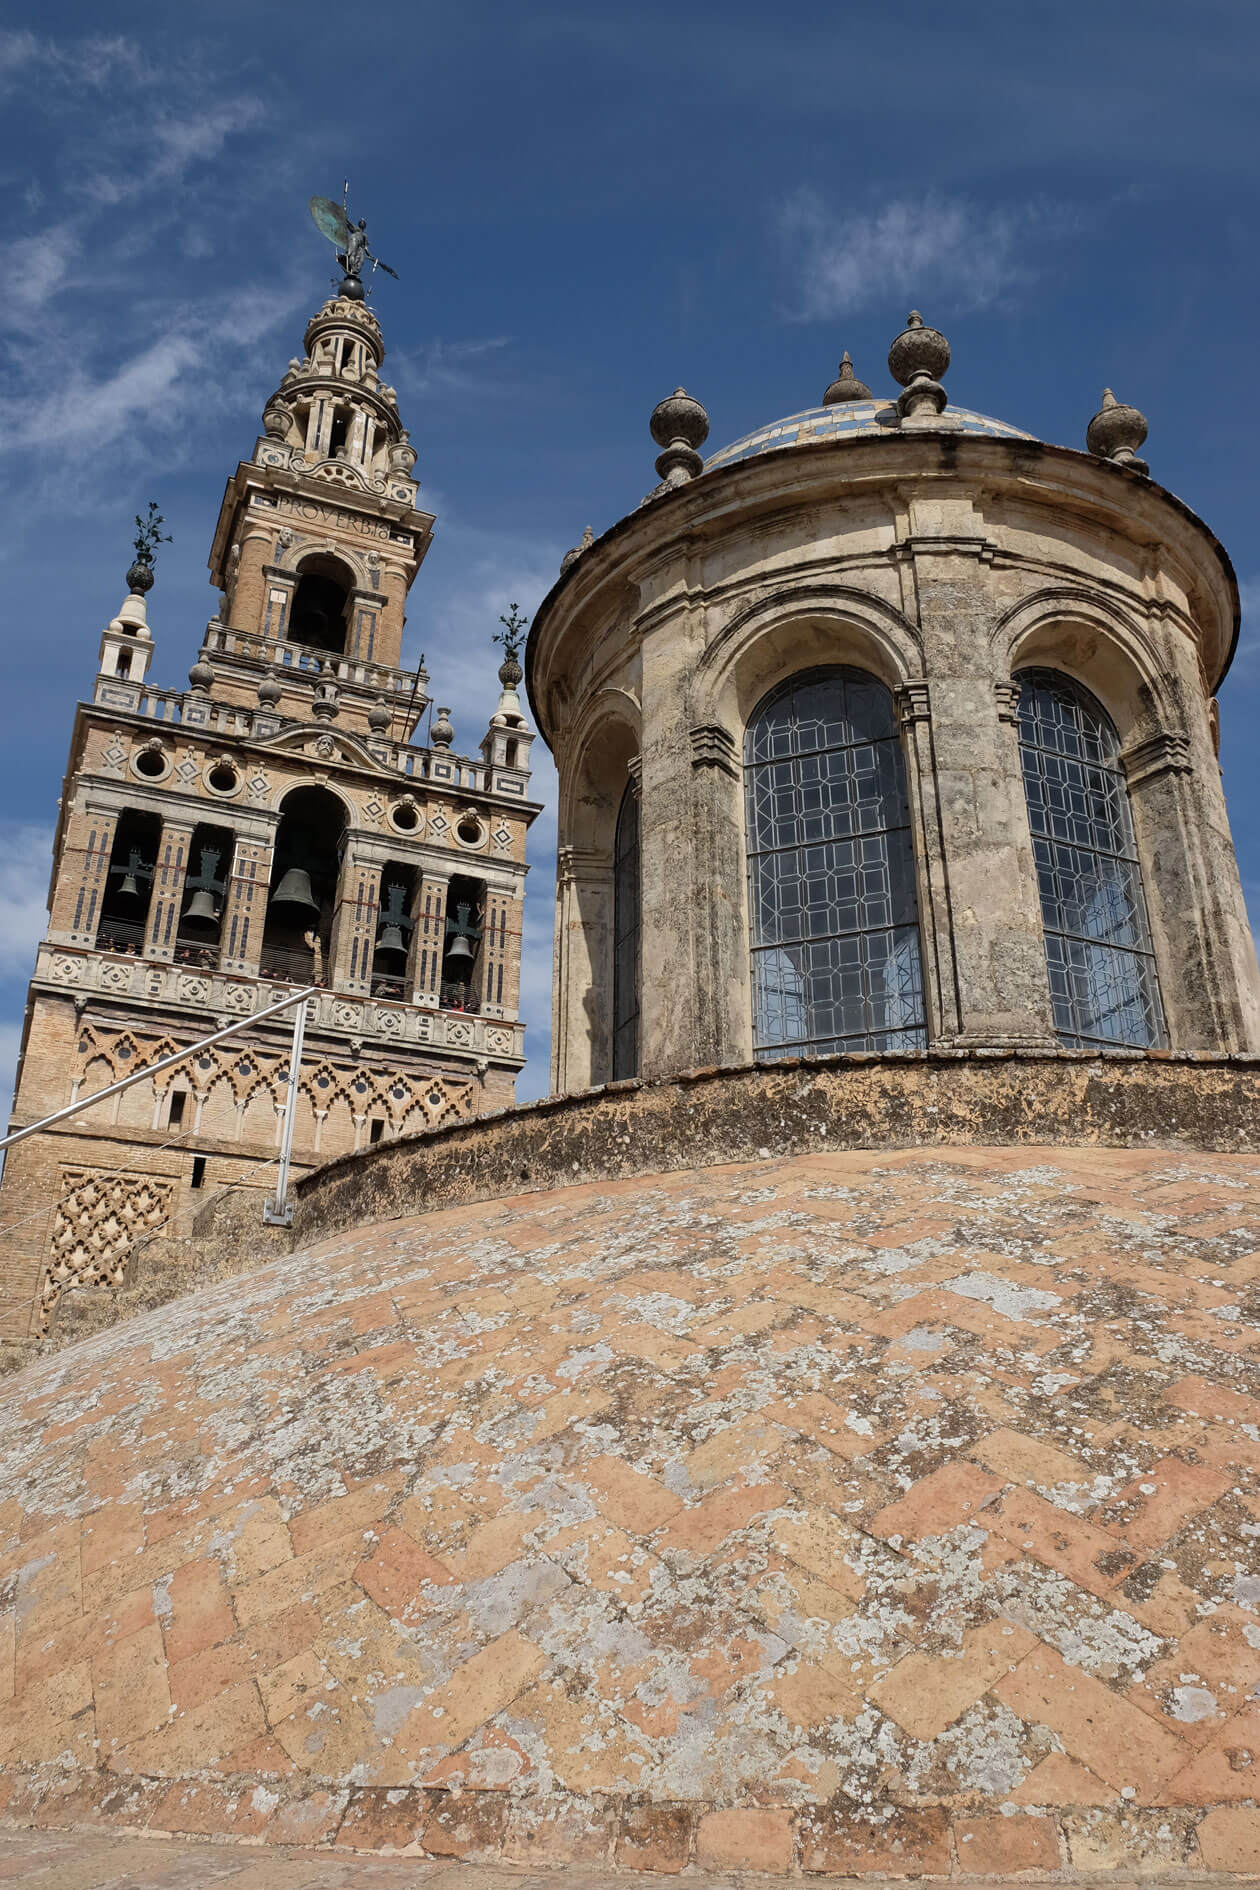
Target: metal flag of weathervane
{"x":351,"y":239}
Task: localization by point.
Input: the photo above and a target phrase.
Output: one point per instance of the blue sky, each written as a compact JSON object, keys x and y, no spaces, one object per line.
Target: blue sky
{"x":586,"y":207}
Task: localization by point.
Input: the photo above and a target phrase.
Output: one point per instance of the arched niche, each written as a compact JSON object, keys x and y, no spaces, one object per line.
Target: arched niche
{"x":603,"y":767}
{"x":593,"y":784}
{"x":1098,"y":648}
{"x":764,"y":646}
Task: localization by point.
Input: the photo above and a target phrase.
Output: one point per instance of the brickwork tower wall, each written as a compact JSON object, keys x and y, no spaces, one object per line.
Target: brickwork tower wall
{"x":300,"y":743}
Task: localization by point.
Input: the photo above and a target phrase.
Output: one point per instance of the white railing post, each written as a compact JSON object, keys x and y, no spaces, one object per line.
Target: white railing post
{"x":278,"y":1212}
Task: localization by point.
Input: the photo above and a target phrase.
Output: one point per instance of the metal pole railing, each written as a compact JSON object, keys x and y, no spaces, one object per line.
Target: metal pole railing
{"x":278,"y":1212}
{"x":150,"y":1070}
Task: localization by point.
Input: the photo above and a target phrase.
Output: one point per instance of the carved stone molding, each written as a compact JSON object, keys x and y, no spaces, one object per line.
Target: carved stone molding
{"x":574,"y":863}
{"x":1158,"y":754}
{"x":634,"y":769}
{"x":1007,"y":694}
{"x":913,"y":703}
{"x":713,"y":747}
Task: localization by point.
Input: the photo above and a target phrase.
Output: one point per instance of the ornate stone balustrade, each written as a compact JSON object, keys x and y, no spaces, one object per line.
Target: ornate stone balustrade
{"x":223,"y":995}
{"x":196,"y":710}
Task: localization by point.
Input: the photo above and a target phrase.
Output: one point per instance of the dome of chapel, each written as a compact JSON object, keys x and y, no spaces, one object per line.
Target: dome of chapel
{"x":855,"y":419}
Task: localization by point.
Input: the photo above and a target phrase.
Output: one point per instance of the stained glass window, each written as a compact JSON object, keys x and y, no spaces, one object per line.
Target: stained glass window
{"x":832,"y":907}
{"x":1103,"y":981}
{"x":626,"y":938}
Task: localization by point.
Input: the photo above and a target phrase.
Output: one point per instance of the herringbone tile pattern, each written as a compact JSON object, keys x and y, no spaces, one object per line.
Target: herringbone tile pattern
{"x":852,"y":1513}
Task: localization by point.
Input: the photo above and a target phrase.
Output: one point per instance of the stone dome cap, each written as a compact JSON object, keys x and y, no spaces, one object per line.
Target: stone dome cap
{"x":846,"y":385}
{"x":850,"y":419}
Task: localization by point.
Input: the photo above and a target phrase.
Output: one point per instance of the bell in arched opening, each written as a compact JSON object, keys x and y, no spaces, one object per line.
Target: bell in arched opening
{"x":293,"y":894}
{"x":204,"y":909}
{"x":394,"y":928}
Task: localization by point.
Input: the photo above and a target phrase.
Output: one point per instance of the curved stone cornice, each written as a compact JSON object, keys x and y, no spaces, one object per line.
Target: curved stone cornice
{"x":1097,"y":498}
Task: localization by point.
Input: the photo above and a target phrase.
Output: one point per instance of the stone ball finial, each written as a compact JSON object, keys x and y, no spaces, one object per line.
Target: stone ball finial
{"x":679,"y":426}
{"x":201,"y":676}
{"x":402,"y":455}
{"x":1116,"y":432}
{"x":584,"y":544}
{"x":269,"y":691}
{"x":442,"y":734}
{"x":379,"y":716}
{"x":276,"y":417}
{"x":916,"y":360}
{"x":846,"y":385}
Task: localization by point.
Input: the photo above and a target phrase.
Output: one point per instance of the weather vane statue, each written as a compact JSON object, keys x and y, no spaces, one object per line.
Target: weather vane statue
{"x":331,"y":220}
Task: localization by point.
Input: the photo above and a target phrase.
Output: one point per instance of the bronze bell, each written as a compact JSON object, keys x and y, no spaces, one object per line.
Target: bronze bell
{"x":129,"y":889}
{"x":391,"y":940}
{"x":460,"y":950}
{"x":295,"y":890}
{"x":202,"y":911}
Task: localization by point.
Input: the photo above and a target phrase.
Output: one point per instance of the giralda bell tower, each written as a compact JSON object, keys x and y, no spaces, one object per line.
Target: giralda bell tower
{"x":298,"y":815}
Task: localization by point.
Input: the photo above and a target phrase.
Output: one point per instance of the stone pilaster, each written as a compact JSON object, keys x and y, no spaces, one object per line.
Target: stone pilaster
{"x":717,"y":798}
{"x":1003,"y":992}
{"x":169,"y":875}
{"x":77,"y":900}
{"x":936,"y":930}
{"x":427,"y":939}
{"x":354,"y":923}
{"x":500,"y":950}
{"x":582,"y":1006}
{"x":245,"y":904}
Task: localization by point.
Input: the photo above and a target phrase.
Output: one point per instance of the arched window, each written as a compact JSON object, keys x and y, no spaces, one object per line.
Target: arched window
{"x":1103,"y":982}
{"x":317,"y":616}
{"x":832,"y":909}
{"x":625,"y":1060}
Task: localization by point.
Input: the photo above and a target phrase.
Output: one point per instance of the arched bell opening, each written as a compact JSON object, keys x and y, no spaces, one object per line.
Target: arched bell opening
{"x":205,"y":889}
{"x":129,"y":883}
{"x":395,"y":928}
{"x":319,"y":614}
{"x":465,"y":911}
{"x":297,"y":936}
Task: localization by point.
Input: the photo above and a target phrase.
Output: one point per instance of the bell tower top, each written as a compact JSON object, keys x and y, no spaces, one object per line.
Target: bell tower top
{"x":320,"y":534}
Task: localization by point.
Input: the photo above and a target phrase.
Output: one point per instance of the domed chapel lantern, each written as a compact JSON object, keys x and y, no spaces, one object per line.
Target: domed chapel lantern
{"x":888,"y":729}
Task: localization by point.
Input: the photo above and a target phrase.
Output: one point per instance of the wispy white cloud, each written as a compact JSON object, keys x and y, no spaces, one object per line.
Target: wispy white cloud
{"x":446,"y":367}
{"x":25,"y":863}
{"x":76,"y":407}
{"x":848,"y":259}
{"x":96,"y":61}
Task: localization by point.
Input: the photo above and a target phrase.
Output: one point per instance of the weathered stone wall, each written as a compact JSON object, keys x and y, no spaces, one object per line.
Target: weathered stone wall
{"x":933,"y":1099}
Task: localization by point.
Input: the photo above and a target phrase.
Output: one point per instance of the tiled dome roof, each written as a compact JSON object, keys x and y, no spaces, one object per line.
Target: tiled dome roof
{"x":790,"y":1509}
{"x":850,"y":421}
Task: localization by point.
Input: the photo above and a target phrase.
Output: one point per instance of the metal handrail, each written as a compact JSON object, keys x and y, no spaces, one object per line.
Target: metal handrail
{"x":277,"y":1209}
